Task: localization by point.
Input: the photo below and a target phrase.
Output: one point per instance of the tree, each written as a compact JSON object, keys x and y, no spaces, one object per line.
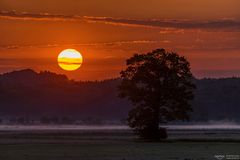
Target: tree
{"x":159,"y":84}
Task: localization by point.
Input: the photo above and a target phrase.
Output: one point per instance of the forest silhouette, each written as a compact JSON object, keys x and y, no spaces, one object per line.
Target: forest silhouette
{"x":28,"y":93}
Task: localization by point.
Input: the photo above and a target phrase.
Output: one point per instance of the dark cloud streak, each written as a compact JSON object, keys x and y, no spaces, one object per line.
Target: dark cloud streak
{"x":231,"y":24}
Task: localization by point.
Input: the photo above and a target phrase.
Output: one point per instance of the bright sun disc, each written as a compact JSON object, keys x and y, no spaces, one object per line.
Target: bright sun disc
{"x":70,"y":59}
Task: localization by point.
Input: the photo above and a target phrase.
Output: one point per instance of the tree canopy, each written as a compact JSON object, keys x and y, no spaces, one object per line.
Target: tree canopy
{"x":159,"y":84}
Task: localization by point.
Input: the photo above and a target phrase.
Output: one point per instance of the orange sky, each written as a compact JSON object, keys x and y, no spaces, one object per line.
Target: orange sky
{"x":106,"y":32}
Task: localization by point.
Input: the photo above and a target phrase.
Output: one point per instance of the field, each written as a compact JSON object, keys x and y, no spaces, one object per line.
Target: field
{"x":111,"y":144}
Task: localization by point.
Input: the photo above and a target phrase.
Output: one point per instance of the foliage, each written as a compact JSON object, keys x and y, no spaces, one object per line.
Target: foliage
{"x":159,"y":84}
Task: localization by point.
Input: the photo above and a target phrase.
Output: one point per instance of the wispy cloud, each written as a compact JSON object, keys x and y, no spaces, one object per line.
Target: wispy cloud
{"x":180,"y":24}
{"x":150,"y":23}
{"x":102,"y":44}
{"x":37,"y":16}
{"x":171,"y":30}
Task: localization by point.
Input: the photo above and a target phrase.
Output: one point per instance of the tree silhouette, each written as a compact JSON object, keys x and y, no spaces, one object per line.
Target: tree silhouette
{"x":159,"y":84}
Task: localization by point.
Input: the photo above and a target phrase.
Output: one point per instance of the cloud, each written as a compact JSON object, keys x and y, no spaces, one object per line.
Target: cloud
{"x":171,"y":30}
{"x":39,"y":16}
{"x":224,"y":23}
{"x":181,"y":24}
{"x":199,"y":44}
{"x":101,"y":44}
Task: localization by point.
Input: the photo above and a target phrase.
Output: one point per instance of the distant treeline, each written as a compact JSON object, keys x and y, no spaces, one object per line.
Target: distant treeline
{"x":25,"y":120}
{"x":27,"y":93}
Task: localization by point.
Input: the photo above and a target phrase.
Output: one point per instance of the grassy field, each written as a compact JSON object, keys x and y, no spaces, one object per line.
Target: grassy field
{"x":107,"y":145}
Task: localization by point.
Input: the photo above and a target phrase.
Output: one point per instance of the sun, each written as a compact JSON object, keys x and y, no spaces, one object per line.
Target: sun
{"x":70,"y":59}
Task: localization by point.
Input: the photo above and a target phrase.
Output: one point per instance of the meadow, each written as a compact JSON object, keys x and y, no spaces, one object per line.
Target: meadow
{"x":119,"y":143}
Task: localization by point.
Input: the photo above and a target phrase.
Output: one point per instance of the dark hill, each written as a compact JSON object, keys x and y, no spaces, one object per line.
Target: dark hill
{"x":27,"y":93}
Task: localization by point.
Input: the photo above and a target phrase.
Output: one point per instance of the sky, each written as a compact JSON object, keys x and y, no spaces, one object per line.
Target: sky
{"x":107,"y":32}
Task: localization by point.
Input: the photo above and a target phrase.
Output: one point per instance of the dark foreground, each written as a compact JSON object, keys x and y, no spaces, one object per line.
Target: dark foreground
{"x":115,"y":144}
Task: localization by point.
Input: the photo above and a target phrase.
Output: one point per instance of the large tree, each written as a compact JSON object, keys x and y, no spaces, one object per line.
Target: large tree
{"x":159,"y":84}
